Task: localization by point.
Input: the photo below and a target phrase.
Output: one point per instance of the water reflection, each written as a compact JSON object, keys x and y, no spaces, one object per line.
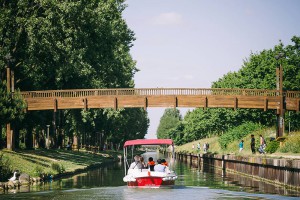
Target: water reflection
{"x":195,"y":181}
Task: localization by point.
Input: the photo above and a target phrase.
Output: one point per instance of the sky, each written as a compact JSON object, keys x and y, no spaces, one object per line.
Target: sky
{"x":192,"y":43}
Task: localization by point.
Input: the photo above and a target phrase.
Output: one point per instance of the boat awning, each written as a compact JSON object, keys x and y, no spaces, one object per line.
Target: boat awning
{"x":148,"y":142}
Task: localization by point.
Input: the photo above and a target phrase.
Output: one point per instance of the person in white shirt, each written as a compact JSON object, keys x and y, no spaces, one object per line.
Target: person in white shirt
{"x":159,"y":167}
{"x":136,"y":164}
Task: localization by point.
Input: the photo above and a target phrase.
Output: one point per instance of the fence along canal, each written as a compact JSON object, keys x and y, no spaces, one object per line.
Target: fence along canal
{"x":285,"y":172}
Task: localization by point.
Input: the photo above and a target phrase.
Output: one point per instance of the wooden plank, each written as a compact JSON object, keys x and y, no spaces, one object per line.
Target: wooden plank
{"x":124,"y":101}
{"x":85,"y":103}
{"x":145,"y":103}
{"x":55,"y":105}
{"x":205,"y":103}
{"x":101,"y":102}
{"x":235,"y":102}
{"x":266,"y":104}
{"x":116,"y":103}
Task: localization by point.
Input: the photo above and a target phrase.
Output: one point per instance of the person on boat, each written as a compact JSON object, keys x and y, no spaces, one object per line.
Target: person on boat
{"x":144,"y":165}
{"x":151,"y":164}
{"x":164,"y":162}
{"x":159,"y":167}
{"x":136,"y":164}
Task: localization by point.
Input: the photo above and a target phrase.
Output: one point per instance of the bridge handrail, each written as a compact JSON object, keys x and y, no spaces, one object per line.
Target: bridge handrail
{"x":156,"y":92}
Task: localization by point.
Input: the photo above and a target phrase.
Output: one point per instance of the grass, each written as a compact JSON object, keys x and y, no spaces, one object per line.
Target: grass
{"x":35,"y":162}
{"x":233,"y":147}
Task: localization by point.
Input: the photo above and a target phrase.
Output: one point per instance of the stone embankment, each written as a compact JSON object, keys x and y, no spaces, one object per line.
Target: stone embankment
{"x":18,"y":181}
{"x":282,"y":171}
{"x":25,"y":180}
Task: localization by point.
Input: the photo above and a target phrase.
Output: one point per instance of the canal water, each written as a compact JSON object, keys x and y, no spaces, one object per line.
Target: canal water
{"x":194,"y":182}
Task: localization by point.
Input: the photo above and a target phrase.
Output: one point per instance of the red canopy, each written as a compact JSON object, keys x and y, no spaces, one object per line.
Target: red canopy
{"x":148,"y":142}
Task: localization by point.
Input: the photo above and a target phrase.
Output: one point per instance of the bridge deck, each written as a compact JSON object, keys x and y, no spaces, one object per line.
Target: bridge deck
{"x":160,"y":97}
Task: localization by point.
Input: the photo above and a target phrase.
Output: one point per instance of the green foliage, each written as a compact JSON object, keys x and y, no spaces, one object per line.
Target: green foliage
{"x":12,"y":106}
{"x":176,"y":134}
{"x":5,"y":168}
{"x":170,"y":119}
{"x":291,"y":145}
{"x":65,"y":45}
{"x":58,"y":167}
{"x":272,"y":146}
{"x":258,"y":72}
{"x":238,"y":133}
{"x":38,"y":171}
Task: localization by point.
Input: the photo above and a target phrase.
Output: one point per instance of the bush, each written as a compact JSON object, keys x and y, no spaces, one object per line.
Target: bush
{"x":272,"y":146}
{"x":57,"y":167}
{"x":238,"y":133}
{"x":5,"y":168}
{"x":292,"y":145}
{"x":38,"y":171}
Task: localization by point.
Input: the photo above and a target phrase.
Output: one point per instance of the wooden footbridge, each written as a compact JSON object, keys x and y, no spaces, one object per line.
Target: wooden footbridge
{"x":278,"y":100}
{"x":162,"y":97}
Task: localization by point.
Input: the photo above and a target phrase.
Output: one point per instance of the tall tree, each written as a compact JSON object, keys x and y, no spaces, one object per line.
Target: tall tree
{"x":169,"y":120}
{"x":257,"y":72}
{"x":64,"y":45}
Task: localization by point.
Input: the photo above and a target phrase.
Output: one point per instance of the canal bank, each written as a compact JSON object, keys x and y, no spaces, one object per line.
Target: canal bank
{"x":284,"y":172}
{"x":46,"y":165}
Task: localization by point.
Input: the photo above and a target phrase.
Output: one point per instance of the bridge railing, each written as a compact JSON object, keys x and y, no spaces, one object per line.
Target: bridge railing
{"x":155,"y":92}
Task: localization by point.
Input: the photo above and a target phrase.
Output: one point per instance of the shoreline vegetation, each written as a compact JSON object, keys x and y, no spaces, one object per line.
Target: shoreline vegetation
{"x":48,"y":164}
{"x":288,"y":146}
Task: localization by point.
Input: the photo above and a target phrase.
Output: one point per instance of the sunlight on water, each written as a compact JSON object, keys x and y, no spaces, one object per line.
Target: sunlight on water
{"x":194,"y":182}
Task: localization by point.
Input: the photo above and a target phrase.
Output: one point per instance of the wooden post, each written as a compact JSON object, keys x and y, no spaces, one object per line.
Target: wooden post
{"x":280,"y":114}
{"x":9,"y":133}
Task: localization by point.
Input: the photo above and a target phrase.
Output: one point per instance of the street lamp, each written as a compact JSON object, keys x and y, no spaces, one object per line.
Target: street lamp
{"x":47,"y":139}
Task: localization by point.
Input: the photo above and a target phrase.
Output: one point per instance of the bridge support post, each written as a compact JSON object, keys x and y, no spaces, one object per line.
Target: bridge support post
{"x":281,"y":110}
{"x":9,"y":132}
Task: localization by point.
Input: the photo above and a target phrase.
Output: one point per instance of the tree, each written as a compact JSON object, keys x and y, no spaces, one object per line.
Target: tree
{"x":257,"y":72}
{"x":63,"y":45}
{"x":169,"y":120}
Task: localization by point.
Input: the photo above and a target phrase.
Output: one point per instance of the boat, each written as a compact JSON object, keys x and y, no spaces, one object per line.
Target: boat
{"x":144,"y":178}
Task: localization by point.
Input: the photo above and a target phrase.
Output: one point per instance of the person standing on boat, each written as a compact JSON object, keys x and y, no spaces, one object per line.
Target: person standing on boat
{"x":136,"y":164}
{"x":159,"y":167}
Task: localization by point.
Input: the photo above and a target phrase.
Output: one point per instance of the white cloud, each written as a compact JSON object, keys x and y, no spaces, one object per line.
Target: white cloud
{"x":170,"y":18}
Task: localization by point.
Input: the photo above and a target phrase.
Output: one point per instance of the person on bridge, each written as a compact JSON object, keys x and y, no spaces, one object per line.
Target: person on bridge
{"x":252,"y":144}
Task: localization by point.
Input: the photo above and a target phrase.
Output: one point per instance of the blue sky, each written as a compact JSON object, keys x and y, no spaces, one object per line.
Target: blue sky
{"x":191,"y":43}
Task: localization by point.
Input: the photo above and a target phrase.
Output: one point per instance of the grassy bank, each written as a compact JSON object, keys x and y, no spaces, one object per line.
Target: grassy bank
{"x":54,"y":162}
{"x":233,"y":148}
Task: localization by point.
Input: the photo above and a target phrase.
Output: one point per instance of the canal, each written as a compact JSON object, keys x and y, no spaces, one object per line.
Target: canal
{"x":194,"y":182}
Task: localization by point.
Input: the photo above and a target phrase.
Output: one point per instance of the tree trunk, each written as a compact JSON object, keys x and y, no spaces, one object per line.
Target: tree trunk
{"x":29,"y":138}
